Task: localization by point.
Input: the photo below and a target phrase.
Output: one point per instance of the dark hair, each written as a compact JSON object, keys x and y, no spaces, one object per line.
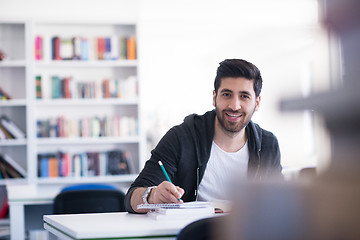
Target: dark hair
{"x":238,"y":68}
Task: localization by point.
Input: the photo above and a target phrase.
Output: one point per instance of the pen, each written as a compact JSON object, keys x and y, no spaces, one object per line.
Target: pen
{"x":166,"y":175}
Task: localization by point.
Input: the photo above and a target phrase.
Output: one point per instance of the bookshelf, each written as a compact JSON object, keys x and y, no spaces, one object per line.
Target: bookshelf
{"x":100,"y":120}
{"x":27,"y":45}
{"x":14,"y":72}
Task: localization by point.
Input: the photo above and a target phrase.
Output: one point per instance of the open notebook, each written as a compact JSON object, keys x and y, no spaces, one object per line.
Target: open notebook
{"x":178,"y":211}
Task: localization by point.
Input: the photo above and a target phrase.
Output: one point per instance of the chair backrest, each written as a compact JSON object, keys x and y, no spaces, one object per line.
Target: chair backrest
{"x":89,"y":199}
{"x":199,"y":230}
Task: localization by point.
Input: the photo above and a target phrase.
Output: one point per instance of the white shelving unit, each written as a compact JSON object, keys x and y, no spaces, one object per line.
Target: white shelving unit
{"x":14,"y":72}
{"x":92,"y":70}
{"x":17,"y":77}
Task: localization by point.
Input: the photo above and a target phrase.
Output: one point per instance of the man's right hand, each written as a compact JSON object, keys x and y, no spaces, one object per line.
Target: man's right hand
{"x":166,"y":192}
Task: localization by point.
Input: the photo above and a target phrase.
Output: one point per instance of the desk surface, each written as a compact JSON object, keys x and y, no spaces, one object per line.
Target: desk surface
{"x":112,"y":225}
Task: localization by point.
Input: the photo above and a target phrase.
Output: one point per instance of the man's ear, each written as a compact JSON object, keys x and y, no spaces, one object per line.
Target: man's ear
{"x":258,"y":100}
{"x":214,"y":97}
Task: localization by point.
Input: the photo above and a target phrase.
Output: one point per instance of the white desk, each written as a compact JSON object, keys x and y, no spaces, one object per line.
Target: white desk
{"x":111,"y":225}
{"x":21,"y":195}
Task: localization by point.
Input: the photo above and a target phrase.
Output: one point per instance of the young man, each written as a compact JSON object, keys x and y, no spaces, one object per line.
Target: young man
{"x":205,"y":151}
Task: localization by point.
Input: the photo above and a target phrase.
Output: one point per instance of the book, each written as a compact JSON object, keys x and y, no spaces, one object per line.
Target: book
{"x":55,"y":48}
{"x":190,"y":210}
{"x":107,"y":51}
{"x":117,"y":163}
{"x":66,"y":49}
{"x":114,"y":48}
{"x":131,"y":48}
{"x":100,"y":48}
{"x":5,"y":134}
{"x":186,"y":205}
{"x":123,"y":48}
{"x":4,"y":210}
{"x":44,"y":166}
{"x":8,"y":171}
{"x":56,"y":89}
{"x":4,"y":95}
{"x":76,"y":41}
{"x":85,"y":49}
{"x":53,"y":166}
{"x":38,"y":90}
{"x":189,"y":215}
{"x":7,"y":159}
{"x":38,"y":48}
{"x":11,"y":127}
{"x":3,"y":171}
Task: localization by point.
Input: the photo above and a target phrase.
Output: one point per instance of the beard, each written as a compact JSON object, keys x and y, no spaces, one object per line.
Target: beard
{"x":229,"y":126}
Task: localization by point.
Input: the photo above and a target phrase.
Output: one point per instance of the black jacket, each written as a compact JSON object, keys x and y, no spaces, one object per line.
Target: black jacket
{"x":185,"y":150}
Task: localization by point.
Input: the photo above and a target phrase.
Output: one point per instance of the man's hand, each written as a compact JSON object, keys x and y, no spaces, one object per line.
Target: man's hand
{"x":166,"y":192}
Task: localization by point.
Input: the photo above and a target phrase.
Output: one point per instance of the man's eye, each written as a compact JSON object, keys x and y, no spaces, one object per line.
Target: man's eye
{"x":226,"y":94}
{"x":245,"y":96}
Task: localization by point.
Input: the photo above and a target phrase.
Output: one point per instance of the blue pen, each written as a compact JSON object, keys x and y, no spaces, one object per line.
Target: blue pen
{"x":166,"y":175}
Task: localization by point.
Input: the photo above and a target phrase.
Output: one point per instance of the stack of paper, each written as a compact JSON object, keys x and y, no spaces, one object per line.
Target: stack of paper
{"x":178,"y":211}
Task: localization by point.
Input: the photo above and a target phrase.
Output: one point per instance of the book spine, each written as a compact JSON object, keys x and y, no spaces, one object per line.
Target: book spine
{"x":44,"y":166}
{"x":38,"y":90}
{"x":38,"y":48}
{"x":6,"y":158}
{"x":76,"y":47}
{"x":4,"y":95}
{"x":12,"y":128}
{"x":66,"y":49}
{"x":131,"y":48}
{"x":55,"y":42}
{"x":100,"y":48}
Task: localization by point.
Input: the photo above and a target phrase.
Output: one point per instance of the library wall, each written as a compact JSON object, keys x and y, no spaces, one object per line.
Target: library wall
{"x":180,"y":44}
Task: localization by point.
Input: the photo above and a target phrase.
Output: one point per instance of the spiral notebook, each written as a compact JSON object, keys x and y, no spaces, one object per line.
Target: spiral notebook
{"x":186,"y":205}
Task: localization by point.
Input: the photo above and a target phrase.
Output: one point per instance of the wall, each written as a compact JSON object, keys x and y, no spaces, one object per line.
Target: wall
{"x":181,"y":42}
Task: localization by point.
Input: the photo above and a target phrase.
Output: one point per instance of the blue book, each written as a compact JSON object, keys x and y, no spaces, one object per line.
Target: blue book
{"x":56,"y":89}
{"x":84,"y":49}
{"x":107,"y":54}
{"x":44,"y":167}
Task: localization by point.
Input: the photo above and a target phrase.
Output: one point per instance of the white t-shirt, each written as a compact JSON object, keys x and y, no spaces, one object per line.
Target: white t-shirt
{"x":221,"y":171}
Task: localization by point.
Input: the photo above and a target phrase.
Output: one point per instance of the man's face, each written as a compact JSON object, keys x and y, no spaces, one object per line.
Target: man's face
{"x":235,"y":103}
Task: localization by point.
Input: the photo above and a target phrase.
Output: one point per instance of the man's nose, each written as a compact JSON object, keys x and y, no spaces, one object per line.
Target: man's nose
{"x":235,"y":104}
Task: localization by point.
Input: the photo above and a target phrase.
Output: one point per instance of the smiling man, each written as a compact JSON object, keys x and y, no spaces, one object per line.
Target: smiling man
{"x":205,"y":152}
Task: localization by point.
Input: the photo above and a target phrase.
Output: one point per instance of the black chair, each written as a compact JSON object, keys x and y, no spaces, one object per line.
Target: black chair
{"x":199,"y":230}
{"x":89,"y":198}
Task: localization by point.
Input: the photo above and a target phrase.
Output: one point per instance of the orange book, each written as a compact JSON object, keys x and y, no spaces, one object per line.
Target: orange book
{"x":131,"y":48}
{"x":53,"y":167}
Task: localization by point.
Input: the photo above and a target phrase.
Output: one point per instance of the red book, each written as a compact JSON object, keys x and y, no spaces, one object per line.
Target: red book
{"x":4,"y":209}
{"x":106,"y":88}
{"x":66,"y":163}
{"x":100,"y":48}
{"x":56,"y":48}
{"x":67,"y":90}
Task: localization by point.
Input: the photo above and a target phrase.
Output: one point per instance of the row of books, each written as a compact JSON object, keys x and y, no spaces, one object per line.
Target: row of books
{"x":9,"y":129}
{"x":84,"y":48}
{"x":58,"y":87}
{"x":109,"y":126}
{"x":9,"y":168}
{"x":85,"y":164}
{"x":4,"y":95}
